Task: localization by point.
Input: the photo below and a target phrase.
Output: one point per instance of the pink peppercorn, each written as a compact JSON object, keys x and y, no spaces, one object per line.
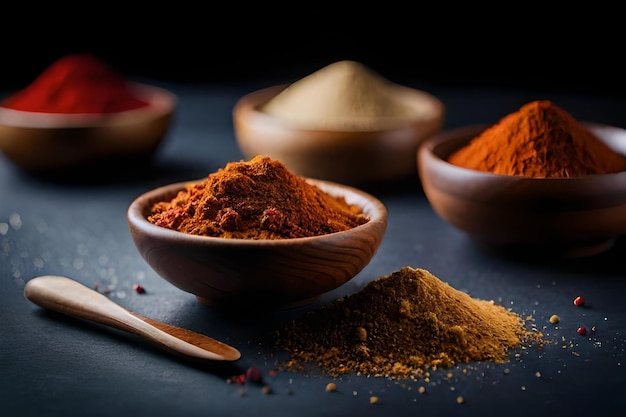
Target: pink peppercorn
{"x":581,"y":331}
{"x":254,"y":375}
{"x":579,"y":301}
{"x":139,"y":289}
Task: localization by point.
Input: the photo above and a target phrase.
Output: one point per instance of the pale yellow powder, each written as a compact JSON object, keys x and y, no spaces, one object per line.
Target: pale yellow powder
{"x":347,"y":95}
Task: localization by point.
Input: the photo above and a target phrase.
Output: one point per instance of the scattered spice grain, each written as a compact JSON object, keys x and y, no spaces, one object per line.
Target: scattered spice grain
{"x":582,"y":330}
{"x":554,"y":319}
{"x":254,"y":375}
{"x":412,"y":321}
{"x":579,"y":301}
{"x":331,"y":386}
{"x":256,"y":199}
{"x":239,"y":379}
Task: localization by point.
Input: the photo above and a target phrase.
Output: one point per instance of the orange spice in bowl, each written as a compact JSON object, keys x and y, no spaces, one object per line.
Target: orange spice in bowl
{"x":540,"y":140}
{"x":536,"y":184}
{"x":253,"y":236}
{"x":256,"y":199}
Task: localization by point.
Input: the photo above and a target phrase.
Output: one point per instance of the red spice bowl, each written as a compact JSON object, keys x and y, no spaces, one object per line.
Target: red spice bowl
{"x":245,"y":274}
{"x":46,"y":142}
{"x":521,"y":215}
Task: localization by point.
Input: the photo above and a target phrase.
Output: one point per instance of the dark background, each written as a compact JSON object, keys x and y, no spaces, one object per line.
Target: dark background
{"x":523,"y":46}
{"x":60,"y":367}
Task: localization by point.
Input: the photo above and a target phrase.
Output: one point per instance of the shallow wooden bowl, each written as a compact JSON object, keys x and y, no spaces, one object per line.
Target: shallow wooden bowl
{"x":242,"y":274}
{"x":43,"y":142}
{"x":345,"y":156}
{"x":565,"y":217}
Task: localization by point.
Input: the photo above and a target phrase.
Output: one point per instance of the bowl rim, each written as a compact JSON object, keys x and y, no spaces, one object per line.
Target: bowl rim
{"x":249,"y":104}
{"x":526,"y":215}
{"x":375,"y":210}
{"x":161,"y":102}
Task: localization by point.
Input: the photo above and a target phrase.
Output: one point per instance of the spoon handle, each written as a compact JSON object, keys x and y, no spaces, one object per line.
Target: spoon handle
{"x":70,"y":297}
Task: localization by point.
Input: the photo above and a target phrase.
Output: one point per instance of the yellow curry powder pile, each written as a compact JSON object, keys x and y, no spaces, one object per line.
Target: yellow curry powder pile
{"x":256,"y":199}
{"x":398,"y":326}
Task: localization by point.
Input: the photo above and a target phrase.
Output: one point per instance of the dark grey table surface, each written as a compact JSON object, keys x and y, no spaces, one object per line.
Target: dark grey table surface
{"x":52,"y":365}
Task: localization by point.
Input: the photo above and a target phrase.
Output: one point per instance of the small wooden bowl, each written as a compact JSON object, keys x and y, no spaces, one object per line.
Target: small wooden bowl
{"x":564,"y":217}
{"x":345,"y":156}
{"x":242,"y":274}
{"x":44,"y":142}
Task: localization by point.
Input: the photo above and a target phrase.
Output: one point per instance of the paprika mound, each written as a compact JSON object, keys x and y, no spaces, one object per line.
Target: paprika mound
{"x":256,"y":199}
{"x":79,"y":83}
{"x":540,"y":140}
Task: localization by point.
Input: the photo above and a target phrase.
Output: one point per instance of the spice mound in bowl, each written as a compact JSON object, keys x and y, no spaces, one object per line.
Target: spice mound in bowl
{"x":254,"y":235}
{"x":538,"y":182}
{"x":80,"y":111}
{"x":343,"y":123}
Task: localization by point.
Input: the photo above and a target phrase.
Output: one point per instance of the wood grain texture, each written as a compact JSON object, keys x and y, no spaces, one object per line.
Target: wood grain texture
{"x":43,"y":142}
{"x":72,"y":298}
{"x":258,"y":274}
{"x":348,"y":157}
{"x":571,"y":217}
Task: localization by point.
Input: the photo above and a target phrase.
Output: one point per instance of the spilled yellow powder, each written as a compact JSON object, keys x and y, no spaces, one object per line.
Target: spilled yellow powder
{"x":398,"y":326}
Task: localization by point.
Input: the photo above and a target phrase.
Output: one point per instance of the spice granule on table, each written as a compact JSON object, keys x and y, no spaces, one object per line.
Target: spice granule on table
{"x":256,"y":199}
{"x":399,"y":326}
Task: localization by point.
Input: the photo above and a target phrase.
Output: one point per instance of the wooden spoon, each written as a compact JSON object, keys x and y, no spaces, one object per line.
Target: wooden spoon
{"x":70,"y":297}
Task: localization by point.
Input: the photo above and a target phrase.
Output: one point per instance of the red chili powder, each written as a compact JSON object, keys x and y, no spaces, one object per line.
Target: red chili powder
{"x":79,"y":83}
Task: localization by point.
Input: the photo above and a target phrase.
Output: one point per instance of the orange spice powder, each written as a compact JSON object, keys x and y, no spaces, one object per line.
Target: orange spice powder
{"x":256,"y":199}
{"x":540,"y":140}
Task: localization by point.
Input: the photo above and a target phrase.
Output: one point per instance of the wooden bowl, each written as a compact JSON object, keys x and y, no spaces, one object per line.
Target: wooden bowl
{"x":44,"y":142}
{"x":345,"y":156}
{"x":244,"y":274}
{"x":565,"y":217}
